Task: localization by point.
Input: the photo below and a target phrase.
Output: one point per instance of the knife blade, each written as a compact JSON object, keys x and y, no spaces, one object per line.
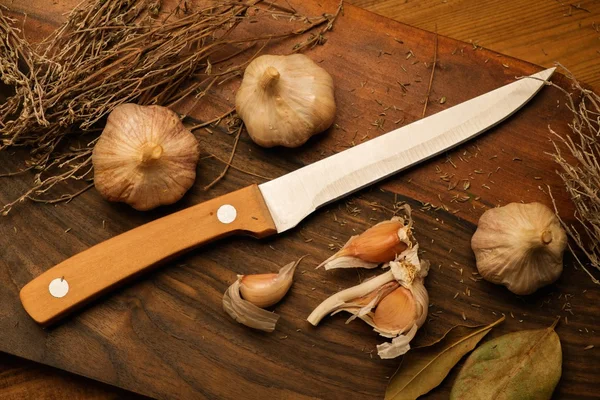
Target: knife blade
{"x":272,"y":207}
{"x":294,"y":196}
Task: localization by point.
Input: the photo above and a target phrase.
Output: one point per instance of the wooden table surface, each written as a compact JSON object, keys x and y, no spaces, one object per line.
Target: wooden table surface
{"x":539,"y":31}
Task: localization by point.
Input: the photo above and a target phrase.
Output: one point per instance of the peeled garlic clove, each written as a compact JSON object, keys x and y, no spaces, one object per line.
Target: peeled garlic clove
{"x":145,"y":157}
{"x":247,"y":313}
{"x":519,"y":246}
{"x":264,"y":290}
{"x":379,"y":244}
{"x":284,"y":100}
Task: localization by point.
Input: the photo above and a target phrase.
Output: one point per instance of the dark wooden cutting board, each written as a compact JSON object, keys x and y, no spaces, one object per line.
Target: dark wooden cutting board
{"x":166,"y":334}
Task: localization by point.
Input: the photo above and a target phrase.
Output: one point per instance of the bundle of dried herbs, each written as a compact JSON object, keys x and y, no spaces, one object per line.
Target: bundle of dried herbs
{"x":580,"y":171}
{"x":111,"y":52}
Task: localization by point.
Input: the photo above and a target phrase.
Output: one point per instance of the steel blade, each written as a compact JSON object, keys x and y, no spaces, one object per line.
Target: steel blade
{"x":291,"y":197}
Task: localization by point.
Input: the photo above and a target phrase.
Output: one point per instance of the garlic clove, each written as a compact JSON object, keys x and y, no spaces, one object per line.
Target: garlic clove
{"x":362,"y":306}
{"x":519,"y":246}
{"x":394,"y":303}
{"x":346,"y":297}
{"x":379,"y":244}
{"x":264,"y":290}
{"x":284,"y":100}
{"x":259,"y":290}
{"x":247,"y":313}
{"x":145,"y":157}
{"x":396,"y":311}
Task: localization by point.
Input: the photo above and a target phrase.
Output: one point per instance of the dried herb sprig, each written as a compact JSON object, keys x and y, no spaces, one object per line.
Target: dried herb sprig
{"x":580,"y":171}
{"x":111,"y":52}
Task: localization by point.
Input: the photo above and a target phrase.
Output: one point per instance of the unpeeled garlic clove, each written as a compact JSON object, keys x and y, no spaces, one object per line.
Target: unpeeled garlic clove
{"x":247,"y":313}
{"x":351,"y":299}
{"x":381,"y":243}
{"x":260,"y":290}
{"x":394,"y":303}
{"x":396,"y":311}
{"x":264,"y":290}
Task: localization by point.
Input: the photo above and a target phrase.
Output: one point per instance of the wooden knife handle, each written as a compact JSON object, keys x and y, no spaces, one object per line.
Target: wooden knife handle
{"x":101,"y":268}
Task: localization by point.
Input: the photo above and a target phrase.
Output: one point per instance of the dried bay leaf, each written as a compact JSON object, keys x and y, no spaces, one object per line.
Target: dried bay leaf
{"x":519,"y":365}
{"x":424,"y":368}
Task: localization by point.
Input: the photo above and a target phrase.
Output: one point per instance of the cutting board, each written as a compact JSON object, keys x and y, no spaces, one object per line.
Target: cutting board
{"x":166,"y":334}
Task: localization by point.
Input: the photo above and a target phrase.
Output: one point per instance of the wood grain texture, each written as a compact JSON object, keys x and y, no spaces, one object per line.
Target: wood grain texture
{"x":540,"y":31}
{"x":22,"y":379}
{"x":109,"y":264}
{"x":166,"y":335}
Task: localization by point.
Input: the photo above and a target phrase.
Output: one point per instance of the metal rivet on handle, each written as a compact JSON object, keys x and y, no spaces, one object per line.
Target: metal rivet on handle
{"x":59,"y":287}
{"x":226,"y":213}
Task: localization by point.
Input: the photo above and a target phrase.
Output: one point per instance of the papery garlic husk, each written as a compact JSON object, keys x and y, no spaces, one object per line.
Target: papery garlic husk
{"x":519,"y":246}
{"x":258,"y":291}
{"x":394,"y":303}
{"x":145,"y":157}
{"x":247,"y":313}
{"x":284,"y":100}
{"x":380,"y":243}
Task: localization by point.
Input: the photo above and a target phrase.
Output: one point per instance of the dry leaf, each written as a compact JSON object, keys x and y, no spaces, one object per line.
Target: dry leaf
{"x":519,"y":365}
{"x":424,"y":368}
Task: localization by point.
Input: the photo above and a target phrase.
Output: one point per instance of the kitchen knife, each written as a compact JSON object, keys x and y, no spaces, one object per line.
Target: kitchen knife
{"x":269,"y":208}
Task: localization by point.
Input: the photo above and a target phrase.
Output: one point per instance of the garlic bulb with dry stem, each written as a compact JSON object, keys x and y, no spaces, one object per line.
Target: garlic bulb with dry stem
{"x":394,"y":303}
{"x":519,"y":246}
{"x":258,"y":291}
{"x":284,"y":100}
{"x":145,"y":157}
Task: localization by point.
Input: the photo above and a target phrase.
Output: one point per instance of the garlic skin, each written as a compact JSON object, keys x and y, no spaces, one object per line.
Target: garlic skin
{"x":284,"y":100}
{"x":519,"y":246}
{"x":145,"y":157}
{"x":247,"y":313}
{"x":258,"y":291}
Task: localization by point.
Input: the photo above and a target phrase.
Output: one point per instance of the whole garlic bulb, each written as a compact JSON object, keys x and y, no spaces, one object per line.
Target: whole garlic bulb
{"x":145,"y":157}
{"x":519,"y":246}
{"x":284,"y":100}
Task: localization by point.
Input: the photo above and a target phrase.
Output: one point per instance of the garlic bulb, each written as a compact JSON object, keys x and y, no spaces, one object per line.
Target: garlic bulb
{"x":258,"y":291}
{"x":284,"y":100}
{"x":394,"y":303}
{"x":380,"y":243}
{"x":145,"y":157}
{"x":519,"y":246}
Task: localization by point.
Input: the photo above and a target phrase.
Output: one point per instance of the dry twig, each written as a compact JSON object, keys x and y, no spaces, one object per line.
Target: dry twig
{"x":580,"y":172}
{"x":111,"y":52}
{"x":435,"y":46}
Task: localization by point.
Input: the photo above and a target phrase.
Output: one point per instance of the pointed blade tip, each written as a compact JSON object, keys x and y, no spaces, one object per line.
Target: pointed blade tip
{"x":545,"y":74}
